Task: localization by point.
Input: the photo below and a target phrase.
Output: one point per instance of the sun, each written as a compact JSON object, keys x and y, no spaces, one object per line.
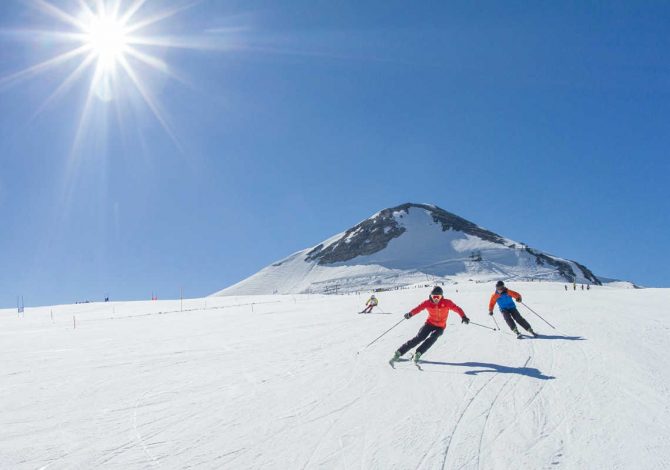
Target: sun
{"x":108,"y":44}
{"x":113,"y":50}
{"x":108,"y":39}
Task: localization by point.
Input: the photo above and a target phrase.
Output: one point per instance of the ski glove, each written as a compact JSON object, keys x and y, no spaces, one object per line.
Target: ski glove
{"x":519,"y":300}
{"x":407,"y":315}
{"x":491,"y":312}
{"x":465,"y":320}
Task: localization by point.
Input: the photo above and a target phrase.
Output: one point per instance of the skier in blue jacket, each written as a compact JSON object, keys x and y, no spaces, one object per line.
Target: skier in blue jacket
{"x":505,"y":298}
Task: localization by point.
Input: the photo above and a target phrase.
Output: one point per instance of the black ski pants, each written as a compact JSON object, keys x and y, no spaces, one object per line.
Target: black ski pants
{"x":428,"y":334}
{"x":511,"y":314}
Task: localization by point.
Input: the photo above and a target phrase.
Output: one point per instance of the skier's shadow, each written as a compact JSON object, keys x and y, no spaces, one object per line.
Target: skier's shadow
{"x":485,"y":367}
{"x":564,"y":338}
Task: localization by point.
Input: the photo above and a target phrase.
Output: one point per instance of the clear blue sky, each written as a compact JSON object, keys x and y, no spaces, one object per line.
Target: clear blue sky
{"x":547,"y":122}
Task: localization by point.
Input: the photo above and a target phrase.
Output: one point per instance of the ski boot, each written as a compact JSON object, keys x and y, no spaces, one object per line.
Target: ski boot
{"x":518,"y":335}
{"x":532,"y":333}
{"x":395,"y":358}
{"x":416,"y":358}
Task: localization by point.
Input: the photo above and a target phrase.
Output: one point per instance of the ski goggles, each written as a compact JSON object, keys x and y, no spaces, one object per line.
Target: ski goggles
{"x":435,"y":296}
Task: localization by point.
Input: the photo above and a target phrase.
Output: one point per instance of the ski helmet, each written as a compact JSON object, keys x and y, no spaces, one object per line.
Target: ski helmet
{"x":500,"y":284}
{"x":437,"y":290}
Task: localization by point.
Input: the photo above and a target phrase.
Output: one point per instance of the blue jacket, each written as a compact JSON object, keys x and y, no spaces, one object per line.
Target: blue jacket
{"x":505,"y":300}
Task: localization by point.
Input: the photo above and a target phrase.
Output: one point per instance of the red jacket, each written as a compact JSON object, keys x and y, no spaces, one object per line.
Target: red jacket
{"x":438,"y":312}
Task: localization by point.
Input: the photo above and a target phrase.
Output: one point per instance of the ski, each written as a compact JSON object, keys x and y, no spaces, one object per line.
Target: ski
{"x":415,"y":362}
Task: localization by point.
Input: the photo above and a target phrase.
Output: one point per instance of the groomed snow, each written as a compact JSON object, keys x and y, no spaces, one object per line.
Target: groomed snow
{"x":281,"y":387}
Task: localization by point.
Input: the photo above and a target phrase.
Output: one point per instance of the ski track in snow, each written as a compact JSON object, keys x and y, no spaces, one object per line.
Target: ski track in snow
{"x":488,"y":413}
{"x":529,"y":402}
{"x":142,"y":442}
{"x":495,"y":401}
{"x":460,"y":418}
{"x":339,"y":411}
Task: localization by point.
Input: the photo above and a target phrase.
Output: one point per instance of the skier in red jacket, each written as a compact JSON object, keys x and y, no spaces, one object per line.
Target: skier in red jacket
{"x":438,"y":310}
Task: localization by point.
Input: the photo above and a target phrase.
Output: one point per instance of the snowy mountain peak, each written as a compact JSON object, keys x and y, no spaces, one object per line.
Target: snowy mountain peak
{"x":407,"y":244}
{"x":374,"y":234}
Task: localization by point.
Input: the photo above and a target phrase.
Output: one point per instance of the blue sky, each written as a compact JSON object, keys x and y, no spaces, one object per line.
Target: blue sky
{"x":546,"y":122}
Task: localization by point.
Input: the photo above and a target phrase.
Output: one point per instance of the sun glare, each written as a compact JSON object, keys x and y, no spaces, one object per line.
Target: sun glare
{"x":108,"y":40}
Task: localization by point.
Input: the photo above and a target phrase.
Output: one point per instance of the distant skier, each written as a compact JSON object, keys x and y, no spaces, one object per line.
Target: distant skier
{"x":566,"y":287}
{"x":438,"y":310}
{"x":505,"y":297}
{"x":371,"y":303}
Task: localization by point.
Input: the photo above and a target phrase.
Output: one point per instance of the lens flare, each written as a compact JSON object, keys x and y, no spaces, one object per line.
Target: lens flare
{"x":110,"y":43}
{"x":107,"y":39}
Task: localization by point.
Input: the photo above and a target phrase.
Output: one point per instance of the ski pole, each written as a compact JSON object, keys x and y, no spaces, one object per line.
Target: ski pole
{"x":494,"y":321}
{"x":538,"y":315}
{"x":378,"y":337}
{"x":483,"y":326}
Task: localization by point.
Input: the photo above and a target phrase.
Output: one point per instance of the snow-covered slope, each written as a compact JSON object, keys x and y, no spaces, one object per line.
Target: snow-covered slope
{"x":275,"y":383}
{"x":404,"y":245}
